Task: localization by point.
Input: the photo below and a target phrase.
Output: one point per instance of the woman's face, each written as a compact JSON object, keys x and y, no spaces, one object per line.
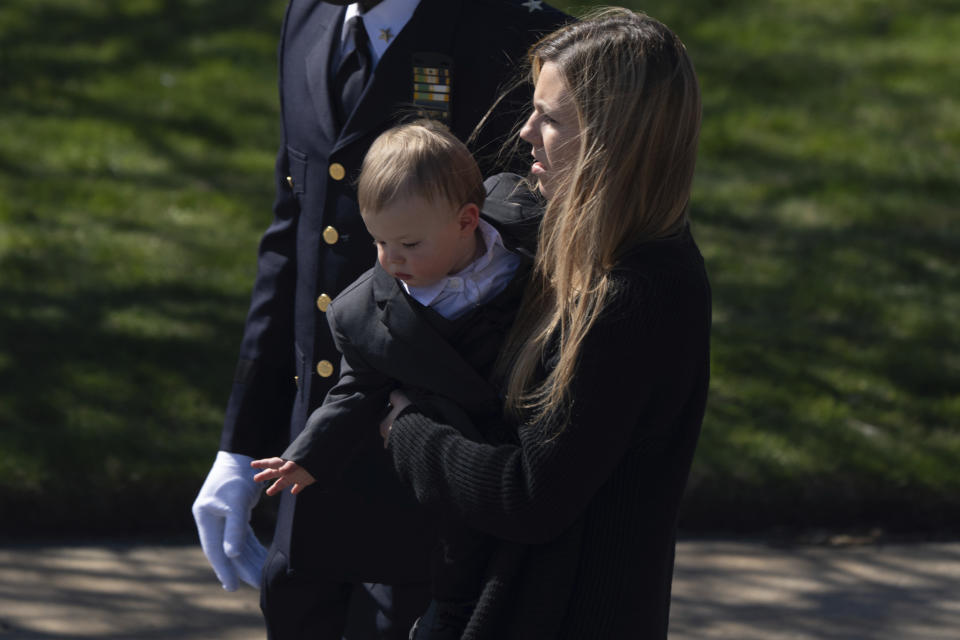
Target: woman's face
{"x":553,"y":129}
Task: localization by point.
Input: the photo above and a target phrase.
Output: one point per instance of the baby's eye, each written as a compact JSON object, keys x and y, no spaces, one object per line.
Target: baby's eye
{"x":409,"y":245}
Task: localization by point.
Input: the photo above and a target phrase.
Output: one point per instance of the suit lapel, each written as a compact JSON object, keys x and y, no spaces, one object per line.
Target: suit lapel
{"x":429,"y":29}
{"x":443,"y":371}
{"x":318,"y":66}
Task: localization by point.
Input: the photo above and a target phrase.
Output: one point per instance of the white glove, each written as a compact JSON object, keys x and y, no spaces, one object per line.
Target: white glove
{"x":222,"y":511}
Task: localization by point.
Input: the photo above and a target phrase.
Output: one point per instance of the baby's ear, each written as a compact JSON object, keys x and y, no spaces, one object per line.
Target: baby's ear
{"x":469,"y":217}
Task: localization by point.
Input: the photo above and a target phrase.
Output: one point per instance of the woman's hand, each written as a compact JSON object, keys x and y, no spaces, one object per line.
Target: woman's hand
{"x":398,"y":402}
{"x":287,"y":472}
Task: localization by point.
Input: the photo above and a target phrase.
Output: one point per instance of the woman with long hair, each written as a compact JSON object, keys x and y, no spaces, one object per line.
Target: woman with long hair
{"x":606,"y":369}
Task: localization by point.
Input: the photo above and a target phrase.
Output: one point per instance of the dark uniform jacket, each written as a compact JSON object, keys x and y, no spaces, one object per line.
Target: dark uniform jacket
{"x":317,"y":244}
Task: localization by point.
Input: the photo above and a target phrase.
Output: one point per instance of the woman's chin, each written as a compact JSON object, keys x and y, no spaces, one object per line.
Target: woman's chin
{"x":544,"y":187}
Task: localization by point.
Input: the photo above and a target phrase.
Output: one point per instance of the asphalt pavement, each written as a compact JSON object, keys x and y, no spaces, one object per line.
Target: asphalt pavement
{"x":723,"y":589}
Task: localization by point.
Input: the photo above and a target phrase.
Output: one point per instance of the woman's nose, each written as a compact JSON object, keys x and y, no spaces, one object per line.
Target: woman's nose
{"x":529,"y":132}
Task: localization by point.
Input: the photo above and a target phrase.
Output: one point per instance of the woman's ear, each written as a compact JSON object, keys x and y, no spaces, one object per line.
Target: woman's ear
{"x":468,"y":217}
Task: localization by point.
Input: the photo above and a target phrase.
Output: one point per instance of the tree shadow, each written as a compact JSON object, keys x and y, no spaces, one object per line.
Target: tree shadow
{"x":120,"y":591}
{"x":746,"y":591}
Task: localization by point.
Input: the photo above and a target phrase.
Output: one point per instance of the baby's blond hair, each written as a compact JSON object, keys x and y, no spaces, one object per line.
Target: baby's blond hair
{"x":423,"y":159}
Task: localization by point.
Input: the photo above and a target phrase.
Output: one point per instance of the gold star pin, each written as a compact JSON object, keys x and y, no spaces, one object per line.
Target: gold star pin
{"x":385,"y":35}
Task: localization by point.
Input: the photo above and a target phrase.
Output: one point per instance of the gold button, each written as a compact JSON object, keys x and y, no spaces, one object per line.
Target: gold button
{"x":323,"y":302}
{"x":337,"y":172}
{"x":296,"y":381}
{"x":324,"y":368}
{"x":290,"y":181}
{"x":330,"y":235}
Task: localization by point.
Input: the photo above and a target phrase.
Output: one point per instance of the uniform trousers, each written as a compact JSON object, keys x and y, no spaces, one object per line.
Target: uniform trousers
{"x":304,"y":605}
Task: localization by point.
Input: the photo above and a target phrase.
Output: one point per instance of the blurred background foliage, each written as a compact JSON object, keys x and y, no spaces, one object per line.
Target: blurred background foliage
{"x":137,"y":140}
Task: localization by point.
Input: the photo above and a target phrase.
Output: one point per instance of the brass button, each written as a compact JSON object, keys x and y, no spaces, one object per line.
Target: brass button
{"x":296,"y":381}
{"x":337,"y":172}
{"x":290,"y":181}
{"x":330,"y":235}
{"x":324,"y":368}
{"x":323,"y":302}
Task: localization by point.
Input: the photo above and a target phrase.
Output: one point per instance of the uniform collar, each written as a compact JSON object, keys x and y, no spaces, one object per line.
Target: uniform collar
{"x":383,"y":23}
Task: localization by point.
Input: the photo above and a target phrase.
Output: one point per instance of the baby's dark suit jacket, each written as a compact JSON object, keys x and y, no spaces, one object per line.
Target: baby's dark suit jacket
{"x":387,"y":342}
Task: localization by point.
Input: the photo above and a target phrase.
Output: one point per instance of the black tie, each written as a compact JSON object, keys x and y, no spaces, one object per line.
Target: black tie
{"x":353,"y":72}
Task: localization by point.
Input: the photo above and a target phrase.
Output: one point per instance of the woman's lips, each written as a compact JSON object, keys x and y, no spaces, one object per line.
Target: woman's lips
{"x":537,"y":169}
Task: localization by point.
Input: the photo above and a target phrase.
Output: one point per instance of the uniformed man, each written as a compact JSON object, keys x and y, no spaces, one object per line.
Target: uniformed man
{"x":347,"y":73}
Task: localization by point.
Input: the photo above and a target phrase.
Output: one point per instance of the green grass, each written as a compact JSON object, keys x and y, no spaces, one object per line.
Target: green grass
{"x":136,"y":149}
{"x":826,"y":205}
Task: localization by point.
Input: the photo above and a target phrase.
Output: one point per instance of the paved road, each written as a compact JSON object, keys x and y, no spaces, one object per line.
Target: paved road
{"x":729,"y":590}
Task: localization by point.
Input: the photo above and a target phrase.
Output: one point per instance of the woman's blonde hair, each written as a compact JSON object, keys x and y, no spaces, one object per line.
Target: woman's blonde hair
{"x":421,"y":158}
{"x":638,"y":106}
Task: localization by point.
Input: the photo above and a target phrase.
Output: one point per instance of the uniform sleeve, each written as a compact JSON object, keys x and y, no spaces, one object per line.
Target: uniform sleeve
{"x":258,"y":412}
{"x":532,"y":492}
{"x":257,"y":417}
{"x":348,"y":418}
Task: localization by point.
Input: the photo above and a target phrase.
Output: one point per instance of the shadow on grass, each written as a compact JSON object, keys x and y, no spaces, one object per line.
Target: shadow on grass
{"x":158,"y":70}
{"x":110,"y":419}
{"x":136,"y":34}
{"x":121,"y":310}
{"x":835,"y":376}
{"x":827,"y":214}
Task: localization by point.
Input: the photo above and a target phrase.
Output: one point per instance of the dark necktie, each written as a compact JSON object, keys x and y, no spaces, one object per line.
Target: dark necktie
{"x":353,"y":72}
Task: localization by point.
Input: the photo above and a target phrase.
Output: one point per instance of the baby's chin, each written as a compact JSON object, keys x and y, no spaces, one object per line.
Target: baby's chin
{"x":413,"y":281}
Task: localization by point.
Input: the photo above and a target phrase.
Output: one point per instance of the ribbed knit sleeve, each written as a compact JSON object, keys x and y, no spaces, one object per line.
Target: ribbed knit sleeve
{"x":631,"y":380}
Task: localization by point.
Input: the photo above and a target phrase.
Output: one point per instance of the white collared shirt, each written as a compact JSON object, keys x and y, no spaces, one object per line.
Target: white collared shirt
{"x":474,"y":285}
{"x":383,"y":22}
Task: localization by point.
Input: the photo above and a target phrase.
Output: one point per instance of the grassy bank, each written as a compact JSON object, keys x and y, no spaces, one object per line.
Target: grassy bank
{"x":827,"y":199}
{"x":136,"y":149}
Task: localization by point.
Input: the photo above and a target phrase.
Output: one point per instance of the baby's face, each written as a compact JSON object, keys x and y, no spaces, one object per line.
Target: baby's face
{"x":421,"y":242}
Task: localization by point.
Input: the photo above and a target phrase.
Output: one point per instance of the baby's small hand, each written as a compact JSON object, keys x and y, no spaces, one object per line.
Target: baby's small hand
{"x":287,"y":472}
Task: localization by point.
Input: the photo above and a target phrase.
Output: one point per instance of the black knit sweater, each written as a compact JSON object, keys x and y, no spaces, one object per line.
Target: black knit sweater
{"x":586,"y":521}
